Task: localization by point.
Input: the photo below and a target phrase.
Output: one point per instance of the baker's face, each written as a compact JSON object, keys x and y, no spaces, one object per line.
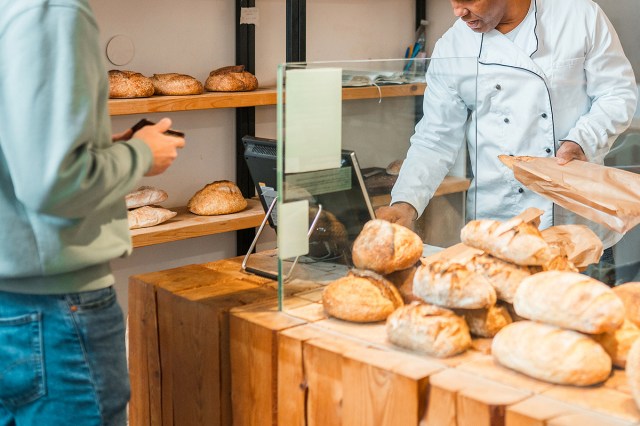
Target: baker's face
{"x":480,"y":15}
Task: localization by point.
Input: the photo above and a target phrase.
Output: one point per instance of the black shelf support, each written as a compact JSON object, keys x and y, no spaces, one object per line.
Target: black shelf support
{"x":296,"y":30}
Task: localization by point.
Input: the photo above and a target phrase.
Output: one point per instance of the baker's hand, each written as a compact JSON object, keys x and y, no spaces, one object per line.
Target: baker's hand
{"x":569,"y":151}
{"x":122,"y":136}
{"x":163,"y":147}
{"x":401,"y":213}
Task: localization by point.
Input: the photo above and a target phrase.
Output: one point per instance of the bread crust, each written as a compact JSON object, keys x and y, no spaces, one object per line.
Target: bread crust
{"x":486,"y":322}
{"x":361,"y":296}
{"x":146,"y":216}
{"x":231,"y":79}
{"x":551,"y":354}
{"x":216,"y":198}
{"x":618,"y":343}
{"x":629,"y":293}
{"x":505,"y":277}
{"x":145,"y":196}
{"x":569,"y":300}
{"x":174,"y":84}
{"x":129,"y":84}
{"x":386,"y":247}
{"x":428,"y":329}
{"x":633,"y":371}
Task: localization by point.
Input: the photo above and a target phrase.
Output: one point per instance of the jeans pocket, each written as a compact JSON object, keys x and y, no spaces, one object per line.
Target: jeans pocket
{"x":92,"y":300}
{"x":21,"y":360}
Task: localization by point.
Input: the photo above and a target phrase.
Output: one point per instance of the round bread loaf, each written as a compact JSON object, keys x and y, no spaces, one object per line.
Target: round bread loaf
{"x":386,"y":247}
{"x":618,"y":343}
{"x":219,"y":197}
{"x":174,"y":84}
{"x":403,"y":280}
{"x":629,"y":293}
{"x":361,"y":296}
{"x":486,"y":322}
{"x":551,"y":353}
{"x":428,"y":329}
{"x":231,"y":79}
{"x":129,"y":84}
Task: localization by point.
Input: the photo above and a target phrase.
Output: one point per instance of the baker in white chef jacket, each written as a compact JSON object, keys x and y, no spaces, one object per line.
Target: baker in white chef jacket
{"x":552,"y":80}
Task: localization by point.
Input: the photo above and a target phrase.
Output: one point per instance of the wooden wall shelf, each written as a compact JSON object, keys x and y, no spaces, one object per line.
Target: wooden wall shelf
{"x":450,"y":185}
{"x":260,"y":97}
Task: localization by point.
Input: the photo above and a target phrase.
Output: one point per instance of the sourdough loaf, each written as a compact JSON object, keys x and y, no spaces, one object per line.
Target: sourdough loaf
{"x":505,"y":277}
{"x":428,"y":329}
{"x":551,"y":353}
{"x":486,"y":322}
{"x":386,"y":247}
{"x":231,"y":79}
{"x":403,"y":280}
{"x":174,"y":84}
{"x":216,"y":198}
{"x":146,"y":216}
{"x":129,"y":84}
{"x":569,"y":300}
{"x":145,"y":196}
{"x":629,"y":293}
{"x":617,"y":343}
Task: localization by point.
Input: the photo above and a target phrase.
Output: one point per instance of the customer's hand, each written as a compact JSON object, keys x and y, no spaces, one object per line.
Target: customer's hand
{"x":569,"y":151}
{"x":401,"y":213}
{"x":163,"y":147}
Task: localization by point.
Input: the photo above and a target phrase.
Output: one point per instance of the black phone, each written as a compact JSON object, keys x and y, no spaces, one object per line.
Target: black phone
{"x":144,"y":122}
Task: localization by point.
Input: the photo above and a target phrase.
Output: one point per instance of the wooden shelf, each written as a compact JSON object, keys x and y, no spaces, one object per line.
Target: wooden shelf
{"x":450,"y":185}
{"x":259,"y":97}
{"x":188,"y":225}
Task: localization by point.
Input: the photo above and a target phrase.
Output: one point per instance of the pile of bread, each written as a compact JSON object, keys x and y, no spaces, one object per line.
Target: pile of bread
{"x":131,"y":84}
{"x":505,"y":281}
{"x":143,"y":211}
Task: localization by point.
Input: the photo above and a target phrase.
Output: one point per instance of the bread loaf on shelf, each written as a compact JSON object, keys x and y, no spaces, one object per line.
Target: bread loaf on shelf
{"x":551,"y":354}
{"x":515,"y":241}
{"x":505,"y":277}
{"x":403,"y":280}
{"x":361,"y":296}
{"x":145,"y":196}
{"x":231,"y":79}
{"x":146,"y":216}
{"x":386,"y":247}
{"x":428,"y":329}
{"x":569,"y":300}
{"x":486,"y":322}
{"x":216,"y":198}
{"x":452,"y":285}
{"x":174,"y":84}
{"x":129,"y":84}
{"x":617,"y":343}
{"x":629,"y":293}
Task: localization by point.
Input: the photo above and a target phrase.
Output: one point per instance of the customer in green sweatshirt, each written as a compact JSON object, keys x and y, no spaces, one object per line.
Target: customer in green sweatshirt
{"x":63,"y":178}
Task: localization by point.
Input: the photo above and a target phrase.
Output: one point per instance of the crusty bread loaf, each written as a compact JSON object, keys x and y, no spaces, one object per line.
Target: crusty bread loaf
{"x":569,"y":300}
{"x":515,"y":241}
{"x":403,"y":280}
{"x":231,"y":79}
{"x":219,"y":197}
{"x":145,"y":196}
{"x":551,"y":353}
{"x":361,"y":296}
{"x":146,"y":216}
{"x":618,"y":343}
{"x":385,"y":247}
{"x":505,"y":277}
{"x":428,"y":329}
{"x":580,"y":244}
{"x":452,"y":285}
{"x":629,"y":293}
{"x":394,"y":167}
{"x":129,"y":84}
{"x":486,"y":322}
{"x":174,"y":84}
{"x":633,"y":371}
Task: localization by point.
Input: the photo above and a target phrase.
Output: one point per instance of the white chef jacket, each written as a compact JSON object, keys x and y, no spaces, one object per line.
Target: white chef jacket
{"x":564,"y":77}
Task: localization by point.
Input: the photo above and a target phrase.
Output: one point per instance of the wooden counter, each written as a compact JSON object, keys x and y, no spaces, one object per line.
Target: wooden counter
{"x":209,"y":347}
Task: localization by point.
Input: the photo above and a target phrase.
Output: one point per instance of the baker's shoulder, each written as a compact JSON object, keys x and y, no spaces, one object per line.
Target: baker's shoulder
{"x":571,"y":9}
{"x":458,"y":41}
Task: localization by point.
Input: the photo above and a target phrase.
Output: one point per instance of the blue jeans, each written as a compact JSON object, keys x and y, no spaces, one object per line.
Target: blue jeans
{"x":62,"y":360}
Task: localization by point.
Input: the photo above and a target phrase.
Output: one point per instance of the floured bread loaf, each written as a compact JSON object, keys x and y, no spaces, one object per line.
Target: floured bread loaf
{"x":174,"y":84}
{"x":452,"y":285}
{"x":486,"y":322}
{"x":361,"y":296}
{"x":146,"y":216}
{"x":129,"y":84}
{"x":550,"y":353}
{"x":618,"y":343}
{"x":505,"y":277}
{"x":231,"y":79}
{"x":514,"y":240}
{"x":428,"y":329}
{"x":633,"y":371}
{"x":219,"y":197}
{"x":403,"y":280}
{"x":569,"y":300}
{"x":386,"y":247}
{"x":629,"y":293}
{"x":145,"y":196}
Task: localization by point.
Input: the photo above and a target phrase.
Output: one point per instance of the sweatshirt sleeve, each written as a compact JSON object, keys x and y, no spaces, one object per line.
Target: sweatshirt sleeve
{"x":55,"y":131}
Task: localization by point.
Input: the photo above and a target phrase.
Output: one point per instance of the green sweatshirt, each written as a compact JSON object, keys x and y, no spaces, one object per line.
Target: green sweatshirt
{"x":62,"y":180}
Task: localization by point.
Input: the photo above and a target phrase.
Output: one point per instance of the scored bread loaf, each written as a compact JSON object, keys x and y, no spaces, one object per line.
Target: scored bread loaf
{"x":386,"y":247}
{"x":617,"y":343}
{"x":231,"y":79}
{"x":633,"y":371}
{"x":452,"y":285}
{"x":216,"y":198}
{"x":551,"y":353}
{"x":428,"y":329}
{"x":569,"y":300}
{"x":505,"y":277}
{"x":629,"y":293}
{"x":129,"y":84}
{"x":361,"y":296}
{"x":515,"y":241}
{"x":145,"y":196}
{"x":403,"y":280}
{"x":486,"y":322}
{"x":146,"y":216}
{"x":174,"y":84}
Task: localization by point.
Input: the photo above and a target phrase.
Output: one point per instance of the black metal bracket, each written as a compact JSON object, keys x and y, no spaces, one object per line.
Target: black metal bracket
{"x":296,"y":31}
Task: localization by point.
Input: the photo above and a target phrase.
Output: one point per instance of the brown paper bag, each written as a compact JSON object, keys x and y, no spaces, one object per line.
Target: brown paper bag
{"x":581,"y":245}
{"x":605,"y":195}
